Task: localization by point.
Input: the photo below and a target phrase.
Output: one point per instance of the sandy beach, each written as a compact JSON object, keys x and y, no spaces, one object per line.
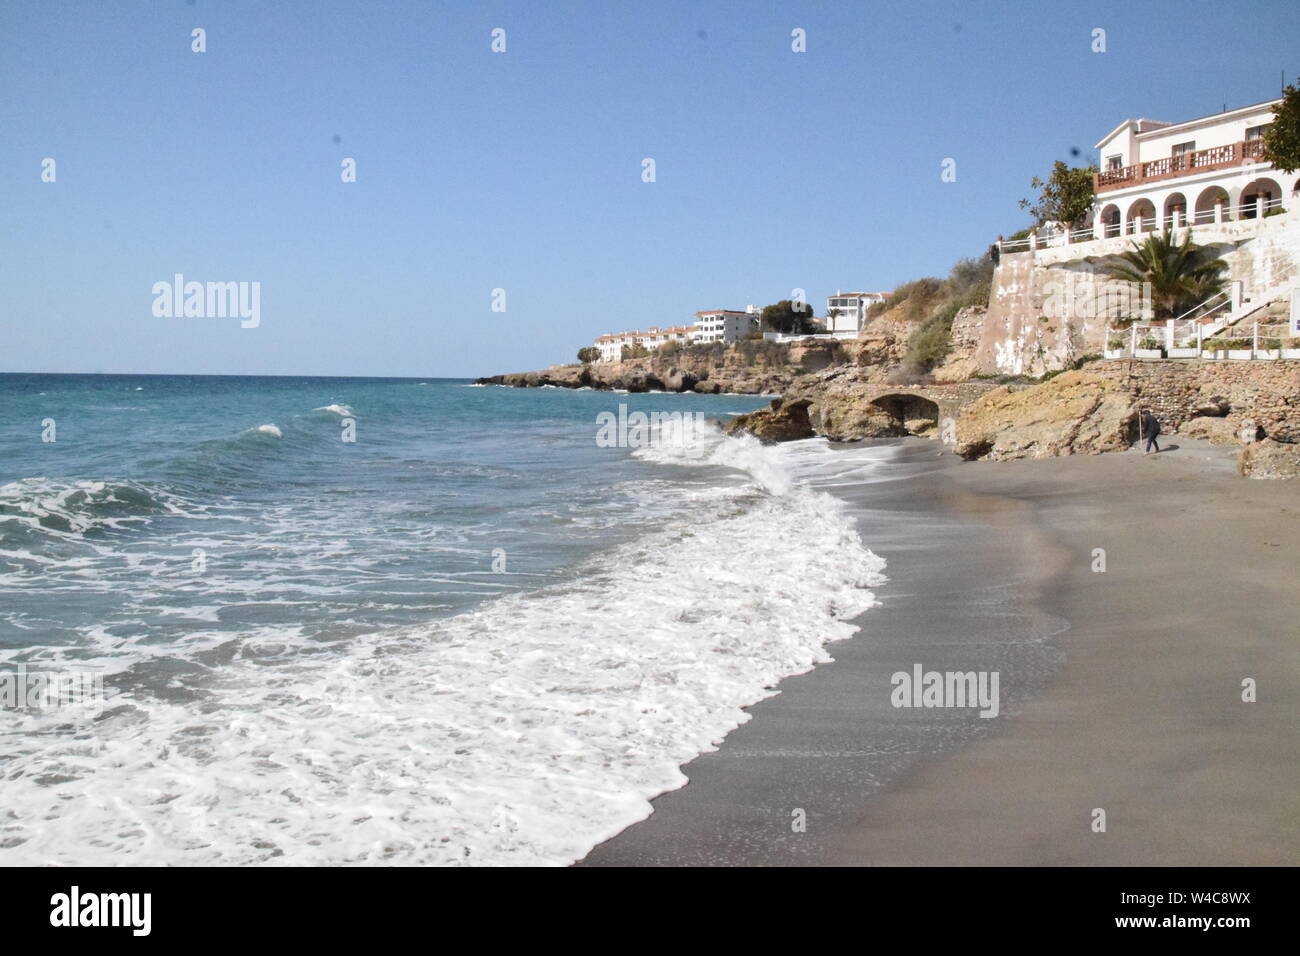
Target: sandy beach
{"x":1119,"y":690}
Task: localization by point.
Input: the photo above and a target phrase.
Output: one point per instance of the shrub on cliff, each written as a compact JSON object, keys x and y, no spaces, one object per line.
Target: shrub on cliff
{"x":713,"y":351}
{"x":930,"y":343}
{"x":759,"y":352}
{"x":919,"y":296}
{"x":969,"y":283}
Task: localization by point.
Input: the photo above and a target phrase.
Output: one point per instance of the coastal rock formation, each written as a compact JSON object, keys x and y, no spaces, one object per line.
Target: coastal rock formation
{"x":882,"y":343}
{"x":841,"y":408}
{"x":784,"y":420}
{"x":1270,"y":459}
{"x":1217,"y":431}
{"x":813,"y":355}
{"x":843,"y":417}
{"x":754,"y":368}
{"x":847,"y":405}
{"x":745,"y":382}
{"x":961,"y":362}
{"x":561,"y":376}
{"x":1076,"y":413}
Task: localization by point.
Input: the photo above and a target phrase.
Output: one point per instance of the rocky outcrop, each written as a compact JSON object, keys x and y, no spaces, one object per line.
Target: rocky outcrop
{"x":1217,"y":431}
{"x":752,"y":368}
{"x":882,"y":343}
{"x":961,"y":362}
{"x":1270,"y":459}
{"x":813,"y":355}
{"x":784,"y":420}
{"x":841,"y":406}
{"x":1077,"y":413}
{"x":746,"y":382}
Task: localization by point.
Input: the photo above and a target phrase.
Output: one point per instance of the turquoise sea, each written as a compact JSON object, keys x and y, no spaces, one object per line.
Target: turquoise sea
{"x":386,"y":620}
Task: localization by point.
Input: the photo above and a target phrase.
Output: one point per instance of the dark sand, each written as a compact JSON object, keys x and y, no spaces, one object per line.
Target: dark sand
{"x":1119,"y":690}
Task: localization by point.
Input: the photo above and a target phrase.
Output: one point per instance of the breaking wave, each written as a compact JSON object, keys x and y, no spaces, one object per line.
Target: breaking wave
{"x":522,"y":732}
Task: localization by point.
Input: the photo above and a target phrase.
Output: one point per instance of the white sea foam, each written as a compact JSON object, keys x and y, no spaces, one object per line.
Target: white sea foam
{"x":74,"y":507}
{"x":343,"y":411}
{"x":272,"y":430}
{"x":523,"y":732}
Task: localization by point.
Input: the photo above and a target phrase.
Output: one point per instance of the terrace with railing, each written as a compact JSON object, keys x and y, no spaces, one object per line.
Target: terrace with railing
{"x":1137,"y":224}
{"x":1184,"y":164}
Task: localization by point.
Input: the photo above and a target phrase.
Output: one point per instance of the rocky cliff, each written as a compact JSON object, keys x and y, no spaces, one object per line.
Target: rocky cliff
{"x":751,"y":368}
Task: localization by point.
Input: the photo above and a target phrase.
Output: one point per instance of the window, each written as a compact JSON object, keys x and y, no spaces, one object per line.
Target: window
{"x":1114,"y":163}
{"x":1182,"y":149}
{"x":1256,"y":132}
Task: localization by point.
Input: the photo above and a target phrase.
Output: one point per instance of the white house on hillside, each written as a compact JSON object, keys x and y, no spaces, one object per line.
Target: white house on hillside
{"x":847,"y":311}
{"x":1154,"y":174}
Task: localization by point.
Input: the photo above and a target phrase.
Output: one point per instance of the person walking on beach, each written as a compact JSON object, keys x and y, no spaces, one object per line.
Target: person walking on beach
{"x":1150,"y":428}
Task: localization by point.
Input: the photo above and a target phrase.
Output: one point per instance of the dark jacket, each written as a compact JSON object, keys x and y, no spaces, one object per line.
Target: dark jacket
{"x":1150,"y":427}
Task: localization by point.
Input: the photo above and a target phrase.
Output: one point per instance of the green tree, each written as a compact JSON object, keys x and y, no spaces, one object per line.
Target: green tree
{"x":1066,"y":196}
{"x":1181,"y":275}
{"x":634,"y":351}
{"x":588,"y":354}
{"x":1282,"y":138}
{"x":789,"y":318}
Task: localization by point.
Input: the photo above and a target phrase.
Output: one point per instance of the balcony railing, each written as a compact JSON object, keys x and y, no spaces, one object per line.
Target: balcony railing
{"x":1185,"y":164}
{"x":1138,"y":225}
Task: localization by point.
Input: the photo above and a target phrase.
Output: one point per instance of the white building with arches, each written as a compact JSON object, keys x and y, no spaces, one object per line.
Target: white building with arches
{"x":1206,"y":178}
{"x":1154,"y":175}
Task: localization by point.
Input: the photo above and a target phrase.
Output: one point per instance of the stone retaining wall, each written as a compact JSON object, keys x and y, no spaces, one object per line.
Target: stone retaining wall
{"x":1266,"y":391}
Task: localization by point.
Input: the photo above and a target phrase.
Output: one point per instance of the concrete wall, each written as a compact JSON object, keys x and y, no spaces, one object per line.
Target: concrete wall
{"x":1019,"y":337}
{"x":1031,"y":328}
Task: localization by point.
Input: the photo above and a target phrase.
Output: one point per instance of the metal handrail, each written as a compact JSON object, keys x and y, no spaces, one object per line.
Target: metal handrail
{"x":1202,"y":305}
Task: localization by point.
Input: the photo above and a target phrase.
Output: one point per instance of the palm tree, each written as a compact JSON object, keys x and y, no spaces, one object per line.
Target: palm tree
{"x":1181,"y":275}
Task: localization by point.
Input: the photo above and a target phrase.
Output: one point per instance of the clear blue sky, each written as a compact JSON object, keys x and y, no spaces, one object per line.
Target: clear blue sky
{"x":522,"y":170}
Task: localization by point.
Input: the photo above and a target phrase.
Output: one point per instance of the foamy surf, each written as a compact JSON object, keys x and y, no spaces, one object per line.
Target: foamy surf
{"x":524,"y":732}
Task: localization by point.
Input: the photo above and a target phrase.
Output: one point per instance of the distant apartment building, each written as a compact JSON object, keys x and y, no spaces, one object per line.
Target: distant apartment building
{"x":724,"y":325}
{"x":611,"y":346}
{"x":847,"y":311}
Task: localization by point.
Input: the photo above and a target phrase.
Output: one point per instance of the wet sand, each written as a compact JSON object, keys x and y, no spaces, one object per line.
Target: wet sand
{"x":1119,"y":690}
